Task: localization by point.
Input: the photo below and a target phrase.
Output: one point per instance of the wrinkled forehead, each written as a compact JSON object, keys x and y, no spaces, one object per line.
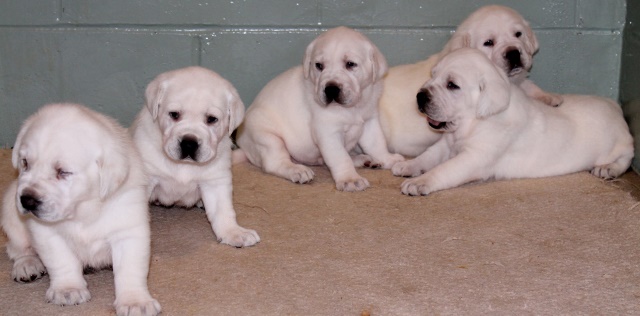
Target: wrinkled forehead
{"x":199,"y":96}
{"x":496,"y":22}
{"x":461,"y":64}
{"x":69,"y":145}
{"x":341,"y":47}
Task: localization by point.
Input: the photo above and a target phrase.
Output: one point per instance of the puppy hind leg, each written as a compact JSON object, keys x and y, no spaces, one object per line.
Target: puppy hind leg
{"x":27,"y":266}
{"x":275,"y":159}
{"x":614,"y":169}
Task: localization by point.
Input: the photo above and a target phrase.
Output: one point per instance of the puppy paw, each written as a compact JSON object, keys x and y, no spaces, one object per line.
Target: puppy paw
{"x":551,"y":99}
{"x":28,"y":269}
{"x":608,"y":172}
{"x":353,"y":184}
{"x":300,"y":174}
{"x":392,"y":160}
{"x":68,"y":295}
{"x":239,"y":237}
{"x":142,"y":307}
{"x":366,"y":161}
{"x":416,"y":186}
{"x":406,"y":169}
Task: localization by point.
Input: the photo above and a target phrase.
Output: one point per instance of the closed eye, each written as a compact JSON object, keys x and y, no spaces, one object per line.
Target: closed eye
{"x":24,"y":164}
{"x":62,"y":174}
{"x":452,"y":86}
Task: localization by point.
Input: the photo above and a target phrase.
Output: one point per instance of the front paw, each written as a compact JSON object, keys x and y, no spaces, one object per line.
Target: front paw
{"x":300,"y":174}
{"x":68,"y":295}
{"x":415,"y":186}
{"x":392,"y":160}
{"x":352,"y":184}
{"x":239,"y":237}
{"x":406,"y":169}
{"x":28,"y":269}
{"x":144,"y":307}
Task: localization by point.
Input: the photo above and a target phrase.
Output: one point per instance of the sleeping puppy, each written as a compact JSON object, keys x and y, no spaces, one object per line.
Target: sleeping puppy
{"x":499,"y":32}
{"x":492,"y":129}
{"x":183,"y":135}
{"x":316,"y":113}
{"x":80,"y":205}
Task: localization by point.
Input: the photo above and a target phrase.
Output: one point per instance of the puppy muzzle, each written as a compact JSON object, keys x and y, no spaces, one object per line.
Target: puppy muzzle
{"x":333,"y":93}
{"x":189,"y":146}
{"x":424,"y":98}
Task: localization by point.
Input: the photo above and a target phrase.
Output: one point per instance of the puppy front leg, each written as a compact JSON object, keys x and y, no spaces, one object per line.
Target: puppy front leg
{"x":130,"y":259}
{"x":533,"y":91}
{"x":454,"y":172}
{"x":433,"y":156}
{"x":27,"y":266}
{"x":67,"y":285}
{"x":217,"y":197}
{"x":340,"y":164}
{"x":373,"y":142}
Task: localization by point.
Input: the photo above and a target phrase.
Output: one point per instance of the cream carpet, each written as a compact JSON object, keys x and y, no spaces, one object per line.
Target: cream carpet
{"x":561,"y":245}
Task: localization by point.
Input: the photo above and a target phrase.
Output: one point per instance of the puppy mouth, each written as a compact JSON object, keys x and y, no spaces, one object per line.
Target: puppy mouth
{"x":437,"y":125}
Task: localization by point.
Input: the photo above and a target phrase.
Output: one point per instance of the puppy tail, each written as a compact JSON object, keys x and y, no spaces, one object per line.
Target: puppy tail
{"x":238,"y":156}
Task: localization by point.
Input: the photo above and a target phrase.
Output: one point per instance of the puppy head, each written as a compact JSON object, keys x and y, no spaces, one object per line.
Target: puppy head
{"x":339,"y":64}
{"x":67,"y":155}
{"x":465,"y":86}
{"x":503,"y":35}
{"x":195,"y":110}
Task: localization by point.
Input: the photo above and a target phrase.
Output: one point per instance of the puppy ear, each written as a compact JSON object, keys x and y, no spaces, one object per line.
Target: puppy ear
{"x":113,"y":167}
{"x":378,"y":63}
{"x":235,"y":109}
{"x":460,"y":39}
{"x":16,"y":146}
{"x":154,"y":94}
{"x":495,"y":94}
{"x":306,"y":61}
{"x":531,"y":41}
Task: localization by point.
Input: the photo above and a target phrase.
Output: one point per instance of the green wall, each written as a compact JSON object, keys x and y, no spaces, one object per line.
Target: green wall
{"x":103,"y":53}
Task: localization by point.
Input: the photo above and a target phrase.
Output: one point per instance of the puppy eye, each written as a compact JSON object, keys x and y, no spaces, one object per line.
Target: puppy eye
{"x":350,"y":65}
{"x":62,"y":174}
{"x":24,"y":164}
{"x":211,"y":119}
{"x":488,"y":43}
{"x":518,"y":34}
{"x":319,"y":66}
{"x":174,"y":115}
{"x":452,"y":86}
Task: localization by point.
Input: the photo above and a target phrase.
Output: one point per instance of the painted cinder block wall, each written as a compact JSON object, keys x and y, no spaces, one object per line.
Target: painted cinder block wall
{"x":103,"y":53}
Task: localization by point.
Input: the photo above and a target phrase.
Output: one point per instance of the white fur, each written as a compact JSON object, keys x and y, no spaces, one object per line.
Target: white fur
{"x":84,"y":172}
{"x":494,"y":130}
{"x":405,"y":128}
{"x":291,"y":118}
{"x":208,"y":109}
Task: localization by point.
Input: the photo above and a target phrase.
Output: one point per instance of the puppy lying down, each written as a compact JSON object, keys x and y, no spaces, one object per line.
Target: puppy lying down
{"x":79,"y":202}
{"x":493,"y":130}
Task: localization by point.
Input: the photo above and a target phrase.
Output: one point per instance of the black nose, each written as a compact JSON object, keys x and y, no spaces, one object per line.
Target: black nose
{"x":331,"y":92}
{"x":30,"y":202}
{"x":188,"y":147}
{"x":423,"y":97}
{"x":513,"y":57}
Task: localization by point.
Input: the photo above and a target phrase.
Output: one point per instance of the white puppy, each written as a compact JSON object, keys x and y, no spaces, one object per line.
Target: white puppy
{"x":316,"y":113}
{"x":494,"y":130}
{"x":79,"y":201}
{"x":500,"y":32}
{"x":183,"y":135}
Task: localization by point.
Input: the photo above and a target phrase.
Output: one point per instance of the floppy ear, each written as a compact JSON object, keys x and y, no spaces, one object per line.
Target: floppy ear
{"x":16,"y":146}
{"x":306,"y":61}
{"x":113,"y":168}
{"x":378,"y":63}
{"x":532,"y":40}
{"x":154,"y":95}
{"x":495,"y":94}
{"x":235,"y":109}
{"x":460,"y":39}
